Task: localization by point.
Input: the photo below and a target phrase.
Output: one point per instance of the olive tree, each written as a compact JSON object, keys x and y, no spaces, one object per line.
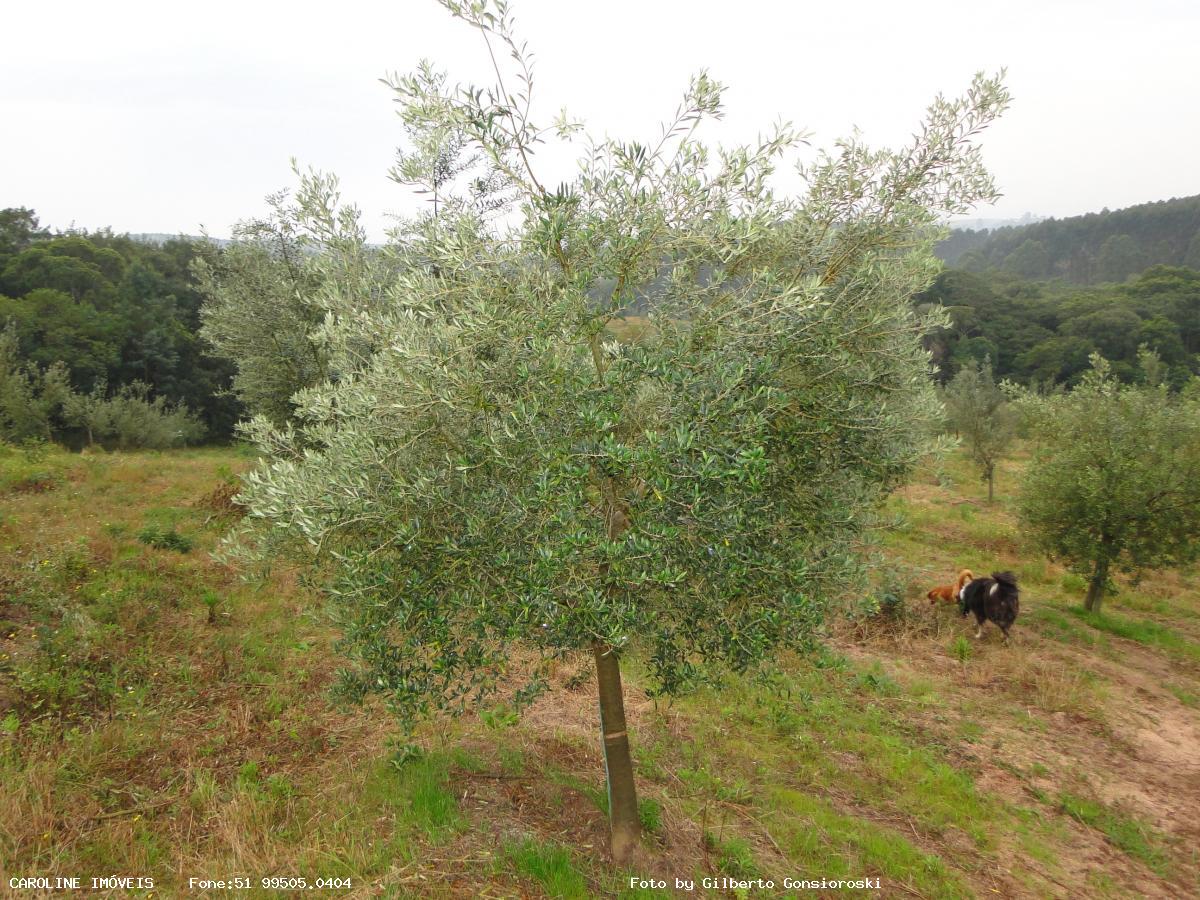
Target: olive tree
{"x":1115,"y":481}
{"x":500,"y":482}
{"x":979,"y":412}
{"x":263,"y":301}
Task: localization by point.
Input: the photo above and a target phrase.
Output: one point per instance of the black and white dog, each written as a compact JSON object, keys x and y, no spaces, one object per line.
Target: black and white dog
{"x":991,"y":599}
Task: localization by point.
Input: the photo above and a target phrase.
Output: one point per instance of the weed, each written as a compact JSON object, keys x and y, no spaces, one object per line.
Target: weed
{"x":404,"y":753}
{"x":548,"y":864}
{"x":650,"y":813}
{"x":961,"y":649}
{"x":165,"y":539}
{"x":279,"y":787}
{"x":734,"y":857}
{"x":577,"y":681}
{"x":1072,"y":583}
{"x":499,"y":717}
{"x":212,"y":603}
{"x":247,"y":776}
{"x":879,"y":682}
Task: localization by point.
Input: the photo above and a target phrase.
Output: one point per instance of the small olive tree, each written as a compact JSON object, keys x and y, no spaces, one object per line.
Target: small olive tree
{"x":40,"y":405}
{"x":979,"y":412}
{"x":495,"y":472}
{"x":1115,"y":481}
{"x":130,"y":418}
{"x":263,"y":301}
{"x":31,"y":399}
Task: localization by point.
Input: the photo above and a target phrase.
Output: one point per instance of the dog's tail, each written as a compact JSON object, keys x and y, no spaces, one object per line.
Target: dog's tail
{"x":1008,"y":579}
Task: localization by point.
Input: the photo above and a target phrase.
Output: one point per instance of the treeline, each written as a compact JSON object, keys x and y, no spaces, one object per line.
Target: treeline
{"x":101,"y":339}
{"x":1044,"y":332}
{"x":1090,"y":249}
{"x":108,"y":339}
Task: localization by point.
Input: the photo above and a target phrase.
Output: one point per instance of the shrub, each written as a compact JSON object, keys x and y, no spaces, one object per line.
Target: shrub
{"x":30,"y":399}
{"x":130,"y":420}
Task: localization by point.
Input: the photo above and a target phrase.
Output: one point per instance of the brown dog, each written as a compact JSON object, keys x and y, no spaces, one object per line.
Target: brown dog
{"x":948,"y":593}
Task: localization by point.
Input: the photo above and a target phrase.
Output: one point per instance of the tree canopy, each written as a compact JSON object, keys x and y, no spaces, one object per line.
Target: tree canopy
{"x":492,"y":476}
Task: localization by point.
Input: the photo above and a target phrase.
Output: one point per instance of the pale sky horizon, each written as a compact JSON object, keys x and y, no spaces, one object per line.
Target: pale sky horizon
{"x":152,"y":117}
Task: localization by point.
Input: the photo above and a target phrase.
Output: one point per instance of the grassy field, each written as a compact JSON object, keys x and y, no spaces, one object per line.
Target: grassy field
{"x":159,"y":717}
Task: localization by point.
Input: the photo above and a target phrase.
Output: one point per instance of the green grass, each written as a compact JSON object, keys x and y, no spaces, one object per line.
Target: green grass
{"x":840,"y":733}
{"x":550,"y":865}
{"x":418,"y":794}
{"x":1144,"y":631}
{"x":961,"y":648}
{"x":1185,"y":696}
{"x":151,"y":683}
{"x":33,"y":468}
{"x":733,"y":857}
{"x":651,"y":815}
{"x":165,"y":539}
{"x":1125,"y":832}
{"x":826,"y":843}
{"x":1055,"y":622}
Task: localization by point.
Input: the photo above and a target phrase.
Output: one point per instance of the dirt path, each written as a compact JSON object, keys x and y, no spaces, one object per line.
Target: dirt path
{"x":1127,"y":741}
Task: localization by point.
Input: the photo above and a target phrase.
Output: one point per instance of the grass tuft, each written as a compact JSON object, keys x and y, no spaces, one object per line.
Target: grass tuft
{"x":550,"y":865}
{"x":1125,"y":832}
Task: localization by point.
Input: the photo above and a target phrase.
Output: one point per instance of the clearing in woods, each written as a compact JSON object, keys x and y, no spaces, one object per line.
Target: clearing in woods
{"x":159,"y":717}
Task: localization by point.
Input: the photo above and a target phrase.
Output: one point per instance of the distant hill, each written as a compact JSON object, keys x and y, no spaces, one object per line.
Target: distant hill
{"x":158,"y":239}
{"x":993,"y":224}
{"x":1098,"y":247}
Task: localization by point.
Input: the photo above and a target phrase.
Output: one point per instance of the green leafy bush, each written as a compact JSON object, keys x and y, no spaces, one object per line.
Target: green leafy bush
{"x":130,"y":419}
{"x":40,"y":405}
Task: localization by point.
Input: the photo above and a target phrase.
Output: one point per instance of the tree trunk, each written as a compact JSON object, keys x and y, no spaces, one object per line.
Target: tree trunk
{"x":618,"y":764}
{"x":991,"y":479}
{"x":624,"y":824}
{"x":1095,"y":591}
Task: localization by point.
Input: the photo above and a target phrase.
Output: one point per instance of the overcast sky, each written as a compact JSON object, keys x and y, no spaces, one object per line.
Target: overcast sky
{"x":170,"y":117}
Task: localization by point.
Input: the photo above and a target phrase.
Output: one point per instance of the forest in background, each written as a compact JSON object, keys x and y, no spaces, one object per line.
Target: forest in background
{"x":122,"y":314}
{"x":115,"y":312}
{"x":1044,"y":332}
